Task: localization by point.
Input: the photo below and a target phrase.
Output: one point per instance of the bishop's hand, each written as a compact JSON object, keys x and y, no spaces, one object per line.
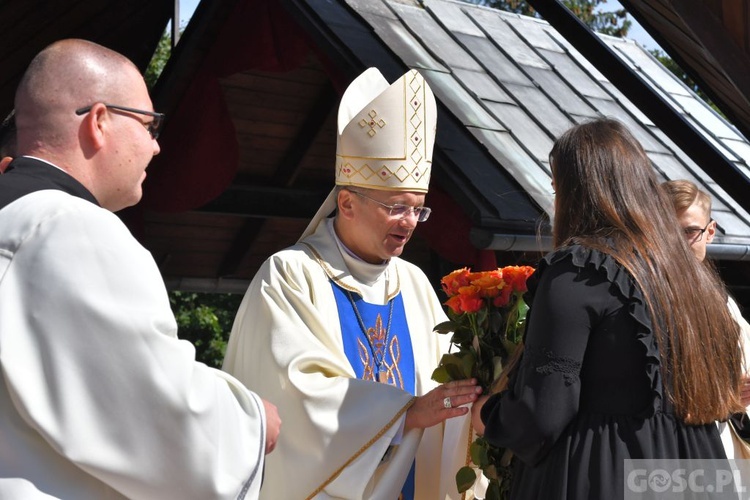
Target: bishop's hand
{"x":443,"y":402}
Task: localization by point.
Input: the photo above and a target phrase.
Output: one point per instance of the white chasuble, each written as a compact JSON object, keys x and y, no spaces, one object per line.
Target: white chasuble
{"x":287,"y":345}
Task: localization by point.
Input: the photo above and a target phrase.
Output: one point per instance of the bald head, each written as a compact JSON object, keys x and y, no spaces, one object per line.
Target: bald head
{"x":65,"y":76}
{"x":108,"y":145}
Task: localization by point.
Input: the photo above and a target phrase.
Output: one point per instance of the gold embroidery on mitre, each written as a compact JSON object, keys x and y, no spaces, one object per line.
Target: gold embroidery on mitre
{"x":385,"y":173}
{"x":372,"y":123}
{"x":395,"y":150}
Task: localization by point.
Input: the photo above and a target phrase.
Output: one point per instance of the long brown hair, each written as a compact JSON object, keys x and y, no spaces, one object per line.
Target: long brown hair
{"x":608,"y":198}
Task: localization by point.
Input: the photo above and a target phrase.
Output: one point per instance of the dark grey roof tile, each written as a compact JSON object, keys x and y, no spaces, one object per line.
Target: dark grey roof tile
{"x":438,"y":42}
{"x":497,"y":26}
{"x":515,"y":83}
{"x":461,"y":103}
{"x":482,"y":85}
{"x":533,"y":176}
{"x":575,"y":76}
{"x":495,"y":62}
{"x":528,"y":133}
{"x":559,"y":91}
{"x":541,"y":109}
{"x":453,"y":18}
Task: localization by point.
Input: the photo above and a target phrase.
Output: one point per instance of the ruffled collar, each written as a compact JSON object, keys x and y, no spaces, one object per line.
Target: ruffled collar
{"x":598,"y":261}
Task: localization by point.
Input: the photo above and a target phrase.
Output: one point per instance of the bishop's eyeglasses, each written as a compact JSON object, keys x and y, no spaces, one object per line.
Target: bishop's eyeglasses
{"x":153,"y":127}
{"x":399,"y":211}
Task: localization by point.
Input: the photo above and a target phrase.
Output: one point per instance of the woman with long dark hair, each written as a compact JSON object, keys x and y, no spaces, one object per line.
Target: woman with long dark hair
{"x":629,"y":352}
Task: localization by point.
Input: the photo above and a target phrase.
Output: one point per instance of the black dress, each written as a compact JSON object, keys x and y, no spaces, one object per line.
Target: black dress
{"x":588,"y":391}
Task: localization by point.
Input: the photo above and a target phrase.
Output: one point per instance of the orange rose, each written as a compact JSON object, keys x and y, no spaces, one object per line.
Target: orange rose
{"x":467,"y":302}
{"x":490,"y":283}
{"x":516,"y":276}
{"x":504,"y":297}
{"x":454,"y":303}
{"x":455,"y":280}
{"x":471,"y":303}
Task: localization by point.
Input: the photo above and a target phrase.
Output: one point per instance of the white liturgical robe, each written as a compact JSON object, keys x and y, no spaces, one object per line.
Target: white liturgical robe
{"x":724,"y":430}
{"x":98,"y":398}
{"x":339,"y":431}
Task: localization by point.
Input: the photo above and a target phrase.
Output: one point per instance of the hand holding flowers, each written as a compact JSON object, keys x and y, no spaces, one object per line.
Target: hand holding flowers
{"x":487,"y":316}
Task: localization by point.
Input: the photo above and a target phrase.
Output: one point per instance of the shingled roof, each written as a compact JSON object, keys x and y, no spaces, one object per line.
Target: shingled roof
{"x":516,"y":84}
{"x":252,"y":89}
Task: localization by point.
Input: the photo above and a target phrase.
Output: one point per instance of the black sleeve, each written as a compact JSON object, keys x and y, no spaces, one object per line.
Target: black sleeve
{"x":545,"y":390}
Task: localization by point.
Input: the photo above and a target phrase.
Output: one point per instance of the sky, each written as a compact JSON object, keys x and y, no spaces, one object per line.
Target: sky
{"x":637,"y":33}
{"x":187,"y":7}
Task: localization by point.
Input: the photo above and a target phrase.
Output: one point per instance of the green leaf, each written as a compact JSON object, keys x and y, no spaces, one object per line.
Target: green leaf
{"x":450,"y":359}
{"x":456,"y":372}
{"x":478,"y":452}
{"x":510,"y":347}
{"x":205,"y":319}
{"x":462,"y":337}
{"x":490,"y":472}
{"x":496,"y":321}
{"x":465,"y":478}
{"x":467,"y":363}
{"x":440,"y":375}
{"x":482,"y":316}
{"x":446,"y":327}
{"x":493,"y":492}
{"x":497,"y":367}
{"x":453,"y":367}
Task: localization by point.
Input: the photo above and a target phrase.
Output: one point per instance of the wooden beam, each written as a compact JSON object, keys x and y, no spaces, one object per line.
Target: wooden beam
{"x":288,"y":167}
{"x":273,"y":202}
{"x":262,"y":202}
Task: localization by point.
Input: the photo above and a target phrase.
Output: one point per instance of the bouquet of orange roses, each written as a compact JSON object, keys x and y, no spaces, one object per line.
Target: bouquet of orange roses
{"x":487,"y":315}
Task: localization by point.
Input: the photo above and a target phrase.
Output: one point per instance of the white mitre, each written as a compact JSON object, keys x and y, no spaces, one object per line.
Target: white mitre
{"x":386,"y":135}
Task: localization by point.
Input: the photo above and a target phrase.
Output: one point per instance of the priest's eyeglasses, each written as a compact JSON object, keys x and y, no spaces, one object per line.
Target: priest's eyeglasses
{"x":153,"y":127}
{"x":399,"y":211}
{"x":695,"y":234}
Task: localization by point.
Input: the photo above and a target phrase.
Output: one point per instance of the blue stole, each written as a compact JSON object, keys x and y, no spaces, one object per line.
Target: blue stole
{"x":372,"y":356}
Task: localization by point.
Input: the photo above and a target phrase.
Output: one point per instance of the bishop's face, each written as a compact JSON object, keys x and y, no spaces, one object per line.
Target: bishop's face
{"x":375,"y":231}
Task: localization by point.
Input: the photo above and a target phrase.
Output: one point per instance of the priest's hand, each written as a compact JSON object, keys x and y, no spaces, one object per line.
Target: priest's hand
{"x":443,"y":402}
{"x":273,"y":426}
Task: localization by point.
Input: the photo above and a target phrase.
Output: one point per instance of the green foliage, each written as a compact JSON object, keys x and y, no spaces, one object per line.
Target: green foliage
{"x":486,"y":339}
{"x":159,"y":59}
{"x":614,"y":23}
{"x":205,"y":319}
{"x":465,"y":478}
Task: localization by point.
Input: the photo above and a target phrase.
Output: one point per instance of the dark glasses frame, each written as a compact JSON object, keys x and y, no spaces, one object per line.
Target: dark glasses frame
{"x":153,"y":127}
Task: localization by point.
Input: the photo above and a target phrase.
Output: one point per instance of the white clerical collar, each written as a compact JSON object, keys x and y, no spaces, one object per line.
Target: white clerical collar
{"x":43,"y":161}
{"x":373,"y":276}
